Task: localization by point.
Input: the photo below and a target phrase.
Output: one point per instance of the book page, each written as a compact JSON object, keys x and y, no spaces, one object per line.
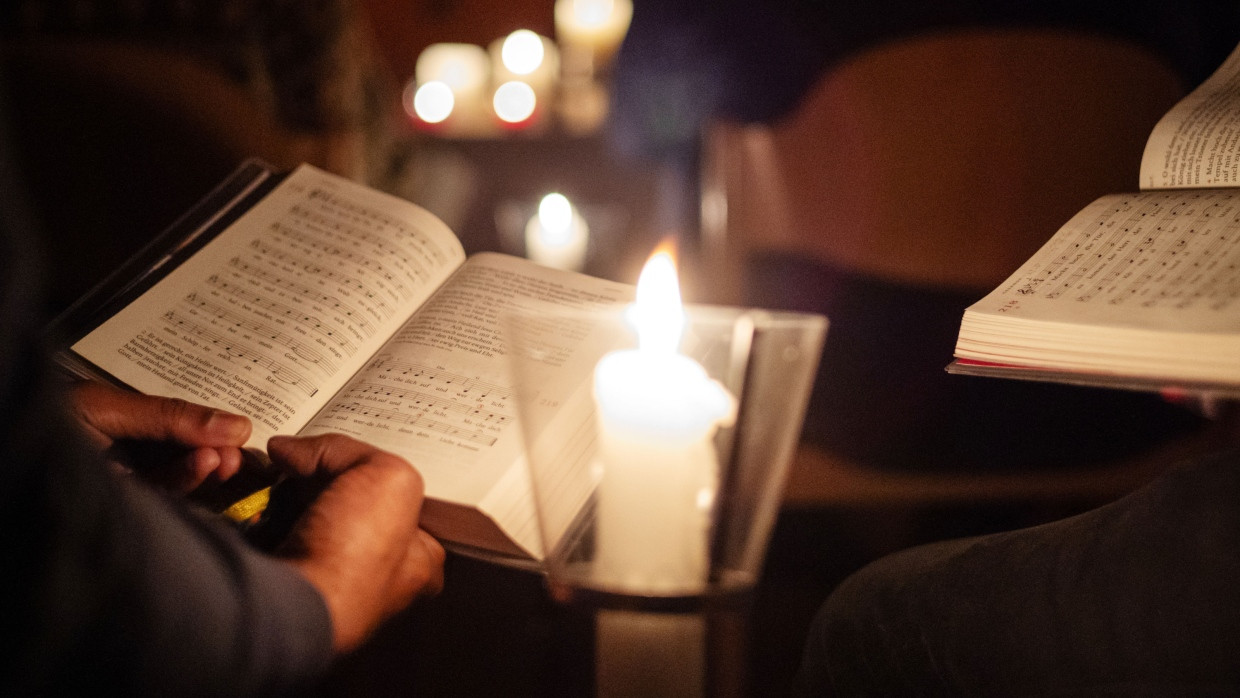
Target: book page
{"x":440,"y":393}
{"x":1157,"y":260}
{"x":271,"y":317}
{"x":1195,"y":143}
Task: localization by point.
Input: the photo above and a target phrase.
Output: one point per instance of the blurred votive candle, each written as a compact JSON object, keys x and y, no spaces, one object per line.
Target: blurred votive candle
{"x":466,"y":71}
{"x":595,"y":26}
{"x":557,"y":236}
{"x":658,"y":412}
{"x":514,"y":103}
{"x":528,"y":57}
{"x":433,"y":102}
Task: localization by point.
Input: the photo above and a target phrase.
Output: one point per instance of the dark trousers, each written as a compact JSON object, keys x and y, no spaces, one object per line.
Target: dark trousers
{"x":1139,"y":597}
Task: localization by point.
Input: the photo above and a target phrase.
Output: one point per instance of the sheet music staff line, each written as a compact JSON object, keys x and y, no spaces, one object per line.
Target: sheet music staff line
{"x":1146,"y":252}
{"x":420,"y":398}
{"x":345,"y":207}
{"x":300,"y":348}
{"x":347,"y":280}
{"x":294,"y":287}
{"x":310,"y":321}
{"x":319,"y":223}
{"x":412,"y":370}
{"x":239,"y":350}
{"x":419,"y":419}
{"x":332,"y":249}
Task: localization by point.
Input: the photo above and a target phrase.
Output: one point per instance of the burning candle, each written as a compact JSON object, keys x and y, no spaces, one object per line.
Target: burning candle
{"x":432,"y":102}
{"x":464,"y":68}
{"x":594,"y":26}
{"x":557,"y":236}
{"x":514,"y":103}
{"x":658,"y":411}
{"x":524,"y":55}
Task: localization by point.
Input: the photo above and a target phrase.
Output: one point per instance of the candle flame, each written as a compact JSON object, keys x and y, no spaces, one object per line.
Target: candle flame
{"x":657,"y":312}
{"x":433,"y":102}
{"x":514,"y":101}
{"x":522,"y":52}
{"x":555,"y":213}
{"x":593,"y":13}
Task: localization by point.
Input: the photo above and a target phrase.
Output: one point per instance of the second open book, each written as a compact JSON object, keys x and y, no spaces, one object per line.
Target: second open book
{"x":1138,"y":290}
{"x":313,"y":304}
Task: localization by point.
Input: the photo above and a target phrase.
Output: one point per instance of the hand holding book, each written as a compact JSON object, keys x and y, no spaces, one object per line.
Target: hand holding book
{"x":313,"y":304}
{"x":195,"y":442}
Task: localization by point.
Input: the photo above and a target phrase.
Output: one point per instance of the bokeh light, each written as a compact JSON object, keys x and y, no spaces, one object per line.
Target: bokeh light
{"x":514,"y":101}
{"x":556,"y":215}
{"x":433,"y":102}
{"x":522,"y":52}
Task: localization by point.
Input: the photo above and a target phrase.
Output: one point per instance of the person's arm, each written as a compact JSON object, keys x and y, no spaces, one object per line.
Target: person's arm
{"x":358,"y":543}
{"x":261,"y":622}
{"x":112,"y":582}
{"x":120,"y":584}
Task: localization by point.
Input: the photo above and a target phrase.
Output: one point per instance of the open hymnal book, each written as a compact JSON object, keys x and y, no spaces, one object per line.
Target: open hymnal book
{"x":314,"y":304}
{"x":1138,"y":290}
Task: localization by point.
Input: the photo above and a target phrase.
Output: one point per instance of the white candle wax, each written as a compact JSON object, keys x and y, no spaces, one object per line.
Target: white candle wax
{"x":657,"y":415}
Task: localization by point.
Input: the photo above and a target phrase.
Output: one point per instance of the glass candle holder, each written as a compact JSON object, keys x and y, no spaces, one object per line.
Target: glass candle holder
{"x":657,"y":476}
{"x":657,"y":480}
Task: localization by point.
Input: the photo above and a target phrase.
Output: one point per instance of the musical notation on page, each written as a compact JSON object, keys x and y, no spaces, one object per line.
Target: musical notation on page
{"x":348,"y":281}
{"x":1147,"y":251}
{"x":239,"y":351}
{"x":313,"y":243}
{"x":399,"y":392}
{"x":311,"y":322}
{"x":382,"y":243}
{"x":345,"y":213}
{"x":418,"y":399}
{"x":418,"y":419}
{"x":383,"y":312}
{"x":298,"y":347}
{"x":476,"y":387}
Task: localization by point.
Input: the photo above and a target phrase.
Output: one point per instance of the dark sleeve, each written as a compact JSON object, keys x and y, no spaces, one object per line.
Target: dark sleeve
{"x":119,"y":585}
{"x":104,"y":582}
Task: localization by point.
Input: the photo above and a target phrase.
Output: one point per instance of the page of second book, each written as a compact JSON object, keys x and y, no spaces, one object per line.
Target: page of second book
{"x":1158,"y":260}
{"x":1195,"y":143}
